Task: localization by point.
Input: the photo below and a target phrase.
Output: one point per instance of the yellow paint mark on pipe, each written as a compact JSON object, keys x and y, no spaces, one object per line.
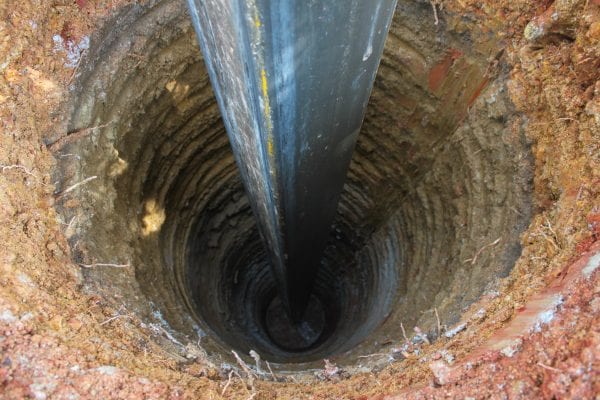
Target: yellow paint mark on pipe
{"x":267,"y":111}
{"x":270,"y":146}
{"x":264,"y":84}
{"x":265,"y":93}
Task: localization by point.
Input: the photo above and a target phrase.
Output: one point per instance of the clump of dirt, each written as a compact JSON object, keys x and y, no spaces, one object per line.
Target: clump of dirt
{"x":57,"y":341}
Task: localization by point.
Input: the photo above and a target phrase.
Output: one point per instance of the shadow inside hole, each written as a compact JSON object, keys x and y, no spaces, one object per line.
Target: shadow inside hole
{"x":434,"y":177}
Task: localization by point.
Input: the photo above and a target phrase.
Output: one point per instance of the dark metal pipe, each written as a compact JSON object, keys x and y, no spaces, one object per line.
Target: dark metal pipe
{"x":293,"y":79}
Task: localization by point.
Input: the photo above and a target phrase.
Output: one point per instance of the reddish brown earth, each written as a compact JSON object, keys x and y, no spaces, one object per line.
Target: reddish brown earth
{"x":57,"y":342}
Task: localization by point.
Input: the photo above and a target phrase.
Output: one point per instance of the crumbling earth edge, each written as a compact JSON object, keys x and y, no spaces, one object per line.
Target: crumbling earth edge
{"x":56,"y":342}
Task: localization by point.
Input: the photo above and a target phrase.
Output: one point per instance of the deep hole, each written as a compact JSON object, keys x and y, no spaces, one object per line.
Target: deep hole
{"x":296,"y":337}
{"x":440,"y":171}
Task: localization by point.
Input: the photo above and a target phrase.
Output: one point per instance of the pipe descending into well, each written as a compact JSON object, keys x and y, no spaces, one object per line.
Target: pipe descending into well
{"x":293,"y":79}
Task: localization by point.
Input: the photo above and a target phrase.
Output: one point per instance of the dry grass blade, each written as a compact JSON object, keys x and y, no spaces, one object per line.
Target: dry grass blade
{"x":474,"y":259}
{"x":105,"y":265}
{"x":549,"y":368}
{"x":404,"y":333}
{"x":251,"y":375}
{"x":16,"y":166}
{"x":271,"y":371}
{"x":75,"y":186}
{"x":227,"y":384}
{"x":74,"y":136}
{"x":437,"y":318}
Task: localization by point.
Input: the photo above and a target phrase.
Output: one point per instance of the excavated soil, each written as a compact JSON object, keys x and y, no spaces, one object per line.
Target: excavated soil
{"x":465,"y":254}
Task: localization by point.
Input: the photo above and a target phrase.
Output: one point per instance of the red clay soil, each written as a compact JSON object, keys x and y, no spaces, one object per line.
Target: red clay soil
{"x":57,"y":342}
{"x":542,"y":352}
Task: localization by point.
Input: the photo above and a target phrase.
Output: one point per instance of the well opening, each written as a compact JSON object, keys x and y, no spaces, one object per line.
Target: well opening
{"x":441,"y":171}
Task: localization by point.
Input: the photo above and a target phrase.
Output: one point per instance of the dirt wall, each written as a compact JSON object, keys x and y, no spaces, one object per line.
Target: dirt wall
{"x":59,"y":341}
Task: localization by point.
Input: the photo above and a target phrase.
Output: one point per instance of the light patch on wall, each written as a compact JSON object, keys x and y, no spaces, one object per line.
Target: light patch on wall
{"x":154,"y":217}
{"x":179,"y":93}
{"x":177,"y":90}
{"x":42,"y":83}
{"x":118,"y":167}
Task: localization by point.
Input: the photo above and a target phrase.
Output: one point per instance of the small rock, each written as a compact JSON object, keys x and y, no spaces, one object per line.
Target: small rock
{"x":193,"y":352}
{"x":107,"y":370}
{"x":458,"y":328}
{"x":7,"y":317}
{"x":420,"y":337}
{"x":75,"y":324}
{"x":398,"y":354}
{"x":197,"y":370}
{"x":517,"y":388}
{"x":331,"y":372}
{"x":447,"y":356}
{"x":441,"y":372}
{"x":592,"y":108}
{"x":594,"y":32}
{"x":512,"y":348}
{"x":558,"y":20}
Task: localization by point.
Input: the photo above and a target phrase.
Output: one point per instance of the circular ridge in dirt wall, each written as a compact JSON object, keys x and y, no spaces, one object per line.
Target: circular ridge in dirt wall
{"x":441,"y":169}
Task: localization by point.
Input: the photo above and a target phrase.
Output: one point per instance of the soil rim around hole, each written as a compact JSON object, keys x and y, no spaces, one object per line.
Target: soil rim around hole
{"x":38,"y":269}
